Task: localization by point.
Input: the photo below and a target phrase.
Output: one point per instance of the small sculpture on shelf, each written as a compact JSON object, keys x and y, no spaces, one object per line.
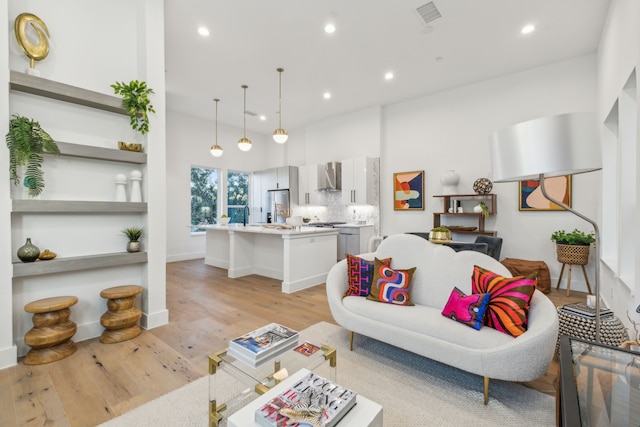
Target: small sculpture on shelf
{"x":133,"y":234}
{"x":482,"y":186}
{"x":30,"y":23}
{"x":47,"y":255}
{"x":28,"y":252}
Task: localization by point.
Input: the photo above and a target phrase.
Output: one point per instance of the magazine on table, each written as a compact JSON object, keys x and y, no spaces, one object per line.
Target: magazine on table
{"x":263,"y":343}
{"x":583,"y":309}
{"x":313,"y":400}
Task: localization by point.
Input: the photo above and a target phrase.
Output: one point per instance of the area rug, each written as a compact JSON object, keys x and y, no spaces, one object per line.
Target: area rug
{"x":413,"y":390}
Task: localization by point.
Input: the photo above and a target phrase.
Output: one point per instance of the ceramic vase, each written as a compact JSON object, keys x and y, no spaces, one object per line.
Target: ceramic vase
{"x":449,"y":181}
{"x":133,"y":247}
{"x":29,"y":252}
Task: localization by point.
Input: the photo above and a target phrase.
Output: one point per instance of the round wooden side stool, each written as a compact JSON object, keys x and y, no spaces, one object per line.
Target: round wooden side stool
{"x":50,"y":337}
{"x":121,"y":321}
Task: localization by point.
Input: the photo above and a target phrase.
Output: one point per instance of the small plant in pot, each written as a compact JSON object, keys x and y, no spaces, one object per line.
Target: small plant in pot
{"x":135,"y":99}
{"x":440,"y":234}
{"x":573,"y":247}
{"x":27,"y":143}
{"x":134,"y":234}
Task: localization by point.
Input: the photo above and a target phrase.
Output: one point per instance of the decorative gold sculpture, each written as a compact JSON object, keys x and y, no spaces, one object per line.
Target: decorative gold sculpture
{"x":35,"y":51}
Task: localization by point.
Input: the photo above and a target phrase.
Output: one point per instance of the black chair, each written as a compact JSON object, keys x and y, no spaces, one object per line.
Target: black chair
{"x":463,"y":246}
{"x":494,"y":243}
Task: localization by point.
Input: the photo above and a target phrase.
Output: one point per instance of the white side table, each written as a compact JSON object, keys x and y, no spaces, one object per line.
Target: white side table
{"x":366,"y":413}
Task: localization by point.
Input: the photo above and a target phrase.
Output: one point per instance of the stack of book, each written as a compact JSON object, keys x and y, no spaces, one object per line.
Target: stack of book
{"x":263,"y":344}
{"x":313,"y":400}
{"x":582,"y":309}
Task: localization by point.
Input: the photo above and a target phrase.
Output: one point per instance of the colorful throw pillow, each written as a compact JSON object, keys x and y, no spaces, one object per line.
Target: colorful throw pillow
{"x":389,"y":285}
{"x":360,"y":275}
{"x":467,"y":309}
{"x":508,"y":309}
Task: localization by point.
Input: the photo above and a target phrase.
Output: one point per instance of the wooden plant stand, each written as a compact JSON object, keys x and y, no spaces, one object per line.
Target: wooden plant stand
{"x":50,"y":337}
{"x":121,"y":319}
{"x":572,"y":255}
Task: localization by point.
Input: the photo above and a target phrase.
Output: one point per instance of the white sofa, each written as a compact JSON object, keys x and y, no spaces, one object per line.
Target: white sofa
{"x":422,"y":329}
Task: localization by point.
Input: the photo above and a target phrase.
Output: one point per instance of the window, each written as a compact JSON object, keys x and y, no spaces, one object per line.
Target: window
{"x":237,"y":195}
{"x":204,"y":197}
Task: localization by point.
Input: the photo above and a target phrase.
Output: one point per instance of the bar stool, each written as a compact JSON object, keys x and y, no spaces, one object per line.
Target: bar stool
{"x":121,"y":319}
{"x":50,"y":337}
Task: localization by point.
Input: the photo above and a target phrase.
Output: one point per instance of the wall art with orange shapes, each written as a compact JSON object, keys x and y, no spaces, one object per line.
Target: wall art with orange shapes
{"x":408,"y":191}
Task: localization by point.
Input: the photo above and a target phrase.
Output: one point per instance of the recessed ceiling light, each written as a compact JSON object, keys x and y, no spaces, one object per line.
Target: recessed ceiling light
{"x":263,"y":117}
{"x":330,"y":28}
{"x":528,"y":29}
{"x":203,"y":31}
{"x":326,"y":95}
{"x":388,"y":76}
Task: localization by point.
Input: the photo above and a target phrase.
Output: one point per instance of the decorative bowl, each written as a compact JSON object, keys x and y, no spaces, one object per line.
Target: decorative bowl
{"x":129,"y":146}
{"x":294,"y":221}
{"x":306,"y":220}
{"x":439,"y":236}
{"x":223,"y":220}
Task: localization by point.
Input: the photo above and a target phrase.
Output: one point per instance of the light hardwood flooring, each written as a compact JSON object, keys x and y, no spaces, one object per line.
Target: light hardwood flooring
{"x":206,"y":309}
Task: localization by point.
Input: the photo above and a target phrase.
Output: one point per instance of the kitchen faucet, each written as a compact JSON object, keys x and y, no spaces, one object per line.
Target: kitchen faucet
{"x":245,"y":215}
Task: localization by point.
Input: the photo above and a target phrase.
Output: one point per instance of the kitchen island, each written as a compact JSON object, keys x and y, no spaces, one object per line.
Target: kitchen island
{"x":300,"y":258}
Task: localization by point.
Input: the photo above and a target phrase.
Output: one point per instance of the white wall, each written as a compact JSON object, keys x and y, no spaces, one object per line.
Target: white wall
{"x":450,"y":130}
{"x":618,"y":55}
{"x":188,"y":142}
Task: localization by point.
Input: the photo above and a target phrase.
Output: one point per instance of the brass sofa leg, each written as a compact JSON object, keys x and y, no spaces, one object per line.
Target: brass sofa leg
{"x":486,"y":390}
{"x":350,"y":340}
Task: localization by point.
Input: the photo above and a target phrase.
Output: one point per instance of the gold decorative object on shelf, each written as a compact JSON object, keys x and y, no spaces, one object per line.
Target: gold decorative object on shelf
{"x":35,"y":51}
{"x":47,"y":255}
{"x":130,"y":146}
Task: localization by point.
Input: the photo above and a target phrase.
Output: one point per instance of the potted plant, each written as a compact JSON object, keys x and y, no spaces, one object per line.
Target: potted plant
{"x":482,"y":209}
{"x":573,"y":247}
{"x":224,"y":219}
{"x":133,"y":234}
{"x":440,"y":234}
{"x":27,"y":143}
{"x":135,"y":99}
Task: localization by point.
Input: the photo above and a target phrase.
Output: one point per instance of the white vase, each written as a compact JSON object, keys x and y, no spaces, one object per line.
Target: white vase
{"x":449,"y":180}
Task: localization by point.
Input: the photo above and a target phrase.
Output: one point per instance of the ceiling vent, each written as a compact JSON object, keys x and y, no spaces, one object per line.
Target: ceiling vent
{"x":428,"y":12}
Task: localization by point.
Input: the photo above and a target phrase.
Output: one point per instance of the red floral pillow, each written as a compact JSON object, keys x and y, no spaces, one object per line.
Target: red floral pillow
{"x":360,"y":275}
{"x":508,"y":309}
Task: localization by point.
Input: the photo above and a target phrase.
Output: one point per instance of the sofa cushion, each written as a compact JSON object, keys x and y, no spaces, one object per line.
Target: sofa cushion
{"x":466,"y":309}
{"x":509,"y":302}
{"x":360,"y":275}
{"x":389,"y":285}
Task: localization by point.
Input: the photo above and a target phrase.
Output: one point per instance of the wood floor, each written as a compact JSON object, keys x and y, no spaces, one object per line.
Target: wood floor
{"x":102,"y":381}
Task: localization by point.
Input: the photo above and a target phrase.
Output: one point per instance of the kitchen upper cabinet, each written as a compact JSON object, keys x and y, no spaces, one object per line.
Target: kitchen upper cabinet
{"x":280,"y":178}
{"x":358,"y":186}
{"x":308,"y":185}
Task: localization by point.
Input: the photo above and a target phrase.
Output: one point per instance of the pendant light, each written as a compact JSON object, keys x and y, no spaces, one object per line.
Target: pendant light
{"x":244,"y":143}
{"x":280,"y":135}
{"x":216,"y":150}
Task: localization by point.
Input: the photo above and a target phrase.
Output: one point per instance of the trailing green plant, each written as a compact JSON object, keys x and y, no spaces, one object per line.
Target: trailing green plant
{"x":440,"y":229}
{"x":133,"y":233}
{"x":576,"y":237}
{"x":27,"y":143}
{"x":135,"y":99}
{"x":484,"y":210}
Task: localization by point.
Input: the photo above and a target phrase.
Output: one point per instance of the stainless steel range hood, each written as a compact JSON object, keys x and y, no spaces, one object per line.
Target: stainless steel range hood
{"x":330,"y":176}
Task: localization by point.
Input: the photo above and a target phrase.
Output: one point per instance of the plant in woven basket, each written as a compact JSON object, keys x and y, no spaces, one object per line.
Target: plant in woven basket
{"x":576,"y":237}
{"x":573,"y":247}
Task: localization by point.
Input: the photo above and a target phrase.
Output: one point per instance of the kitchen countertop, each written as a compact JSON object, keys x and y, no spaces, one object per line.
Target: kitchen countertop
{"x":352,"y":225}
{"x":258,"y":228}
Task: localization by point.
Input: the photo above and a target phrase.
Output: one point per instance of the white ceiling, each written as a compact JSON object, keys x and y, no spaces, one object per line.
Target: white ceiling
{"x":474,"y":40}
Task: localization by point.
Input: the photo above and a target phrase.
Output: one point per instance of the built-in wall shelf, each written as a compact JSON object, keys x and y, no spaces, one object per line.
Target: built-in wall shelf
{"x":86,"y":262}
{"x":100,"y":153}
{"x":79,"y":206}
{"x":27,"y":83}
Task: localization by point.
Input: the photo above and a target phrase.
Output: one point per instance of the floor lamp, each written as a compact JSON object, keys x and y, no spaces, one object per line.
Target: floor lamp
{"x":566,"y":144}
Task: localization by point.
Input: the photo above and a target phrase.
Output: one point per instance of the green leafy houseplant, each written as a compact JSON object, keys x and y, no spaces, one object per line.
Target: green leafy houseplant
{"x":133,"y":233}
{"x":27,"y":143}
{"x":484,"y":210}
{"x":135,"y":99}
{"x":576,"y":237}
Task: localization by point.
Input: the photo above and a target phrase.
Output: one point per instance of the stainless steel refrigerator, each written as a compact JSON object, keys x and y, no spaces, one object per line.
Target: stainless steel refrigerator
{"x":278,"y":205}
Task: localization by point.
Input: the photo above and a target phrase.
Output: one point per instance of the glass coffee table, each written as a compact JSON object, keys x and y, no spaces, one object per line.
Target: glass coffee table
{"x":233,"y":383}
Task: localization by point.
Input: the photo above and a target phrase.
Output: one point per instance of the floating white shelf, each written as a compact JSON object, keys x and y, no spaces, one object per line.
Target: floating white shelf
{"x":86,"y":262}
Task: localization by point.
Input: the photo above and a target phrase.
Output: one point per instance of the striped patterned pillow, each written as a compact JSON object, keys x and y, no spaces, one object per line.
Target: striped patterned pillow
{"x":509,"y":302}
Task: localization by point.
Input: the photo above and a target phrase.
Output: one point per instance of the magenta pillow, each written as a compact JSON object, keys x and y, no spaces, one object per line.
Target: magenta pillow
{"x":360,"y":275}
{"x":467,"y":309}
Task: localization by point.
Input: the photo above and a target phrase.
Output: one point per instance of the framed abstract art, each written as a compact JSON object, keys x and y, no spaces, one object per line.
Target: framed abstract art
{"x":408,"y":191}
{"x":532,"y":199}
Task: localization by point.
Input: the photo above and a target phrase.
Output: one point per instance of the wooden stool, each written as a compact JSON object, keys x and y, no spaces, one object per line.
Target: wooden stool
{"x":50,"y":337}
{"x":584,"y":271}
{"x":121,"y":321}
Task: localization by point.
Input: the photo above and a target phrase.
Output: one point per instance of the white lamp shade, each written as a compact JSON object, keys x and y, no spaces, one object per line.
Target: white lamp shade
{"x":216,"y":150}
{"x":280,"y":136}
{"x":565,"y":144}
{"x":244,"y":144}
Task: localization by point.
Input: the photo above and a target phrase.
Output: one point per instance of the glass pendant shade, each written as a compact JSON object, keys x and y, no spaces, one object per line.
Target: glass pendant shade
{"x":244,"y":143}
{"x":216,"y":150}
{"x":280,"y":135}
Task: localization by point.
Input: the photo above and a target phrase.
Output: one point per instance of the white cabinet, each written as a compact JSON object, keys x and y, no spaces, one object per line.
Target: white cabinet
{"x":258,"y":212}
{"x":308,"y":185}
{"x":353,"y":240}
{"x":285,"y":177}
{"x":280,"y":178}
{"x":358,"y":181}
